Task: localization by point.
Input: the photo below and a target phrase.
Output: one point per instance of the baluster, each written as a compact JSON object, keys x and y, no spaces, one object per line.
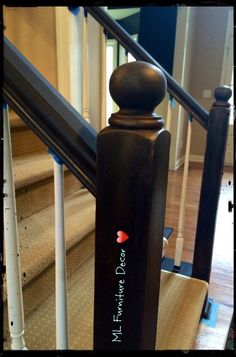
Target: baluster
{"x":132,"y":170}
{"x":103,"y":75}
{"x":11,"y":241}
{"x":182,"y":210}
{"x":85,"y":76}
{"x":169,"y":112}
{"x":60,"y":257}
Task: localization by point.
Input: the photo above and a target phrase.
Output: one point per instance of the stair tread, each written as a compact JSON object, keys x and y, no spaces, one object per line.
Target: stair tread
{"x":31,"y":168}
{"x":177,"y":322}
{"x":16,"y":121}
{"x":37,"y":232}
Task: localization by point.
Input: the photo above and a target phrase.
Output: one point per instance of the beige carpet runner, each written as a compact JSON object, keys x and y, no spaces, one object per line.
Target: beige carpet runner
{"x":181,"y":302}
{"x":181,"y":298}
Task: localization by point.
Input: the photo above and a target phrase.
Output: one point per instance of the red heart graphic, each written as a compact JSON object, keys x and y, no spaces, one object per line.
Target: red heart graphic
{"x":121,"y":237}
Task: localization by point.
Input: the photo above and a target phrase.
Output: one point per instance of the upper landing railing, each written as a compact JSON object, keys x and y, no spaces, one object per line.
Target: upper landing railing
{"x":216,"y":125}
{"x":174,"y":89}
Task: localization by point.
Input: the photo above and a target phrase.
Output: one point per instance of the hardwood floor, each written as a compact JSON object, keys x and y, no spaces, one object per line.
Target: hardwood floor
{"x":221,"y":282}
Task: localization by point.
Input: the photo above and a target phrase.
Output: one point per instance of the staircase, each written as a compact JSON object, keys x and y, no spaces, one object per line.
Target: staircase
{"x":181,"y":298}
{"x":33,"y":177}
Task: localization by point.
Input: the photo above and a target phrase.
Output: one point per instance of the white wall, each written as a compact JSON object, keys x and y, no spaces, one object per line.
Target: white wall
{"x":206,"y":62}
{"x":32,"y":31}
{"x":51,"y":39}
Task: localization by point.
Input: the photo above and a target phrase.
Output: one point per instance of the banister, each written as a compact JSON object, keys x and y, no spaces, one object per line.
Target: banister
{"x":175,"y":90}
{"x":50,"y":116}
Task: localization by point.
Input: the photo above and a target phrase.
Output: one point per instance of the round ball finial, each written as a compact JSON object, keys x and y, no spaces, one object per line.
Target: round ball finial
{"x":137,"y":88}
{"x":222,"y":95}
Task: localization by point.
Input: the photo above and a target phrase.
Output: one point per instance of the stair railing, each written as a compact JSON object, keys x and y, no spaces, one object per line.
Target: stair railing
{"x":50,"y":116}
{"x":175,"y":90}
{"x":213,"y":159}
{"x":74,"y":141}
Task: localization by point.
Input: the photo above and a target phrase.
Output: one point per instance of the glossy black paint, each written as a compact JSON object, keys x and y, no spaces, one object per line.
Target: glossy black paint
{"x":211,"y":184}
{"x":50,"y":116}
{"x":132,"y":169}
{"x":157,"y":34}
{"x":175,"y":90}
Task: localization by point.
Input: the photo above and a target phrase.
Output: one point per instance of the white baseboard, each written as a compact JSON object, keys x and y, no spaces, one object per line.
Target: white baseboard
{"x":179,"y":162}
{"x":196,"y":158}
{"x":229,"y":163}
{"x":199,"y":158}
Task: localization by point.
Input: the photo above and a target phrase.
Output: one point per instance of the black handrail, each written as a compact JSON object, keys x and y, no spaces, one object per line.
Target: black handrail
{"x":50,"y":116}
{"x":175,"y":90}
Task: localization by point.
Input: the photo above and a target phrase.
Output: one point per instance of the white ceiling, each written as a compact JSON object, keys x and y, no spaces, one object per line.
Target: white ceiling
{"x":118,"y":14}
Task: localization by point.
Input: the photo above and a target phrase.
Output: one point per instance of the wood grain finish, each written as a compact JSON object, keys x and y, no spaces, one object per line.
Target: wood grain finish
{"x":221,"y":281}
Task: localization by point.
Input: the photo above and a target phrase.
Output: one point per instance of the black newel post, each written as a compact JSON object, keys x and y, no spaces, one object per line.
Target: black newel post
{"x":211,"y":183}
{"x":132,"y":170}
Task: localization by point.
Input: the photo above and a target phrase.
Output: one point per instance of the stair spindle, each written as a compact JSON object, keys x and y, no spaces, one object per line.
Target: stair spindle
{"x":60,"y":257}
{"x":182,"y":210}
{"x":85,"y":73}
{"x":170,"y":106}
{"x":11,"y":241}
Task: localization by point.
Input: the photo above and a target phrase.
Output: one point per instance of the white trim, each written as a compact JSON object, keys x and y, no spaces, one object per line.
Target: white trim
{"x":85,"y":75}
{"x":68,"y":28}
{"x":182,"y":208}
{"x":227,"y":65}
{"x":103,"y":78}
{"x":76,"y":60}
{"x":11,"y":243}
{"x":62,"y":27}
{"x":199,"y":158}
{"x":180,"y":72}
{"x":62,"y":342}
{"x":111,"y":106}
{"x":103,"y":96}
{"x":196,"y":158}
{"x":228,"y":164}
{"x":179,"y":162}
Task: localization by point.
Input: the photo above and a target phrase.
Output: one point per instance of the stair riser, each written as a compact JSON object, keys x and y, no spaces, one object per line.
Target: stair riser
{"x":25,"y":141}
{"x":45,"y":282}
{"x":37,"y":196}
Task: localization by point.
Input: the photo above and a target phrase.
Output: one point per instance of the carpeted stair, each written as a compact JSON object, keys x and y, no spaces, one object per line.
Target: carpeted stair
{"x":34,"y":186}
{"x":181,"y":298}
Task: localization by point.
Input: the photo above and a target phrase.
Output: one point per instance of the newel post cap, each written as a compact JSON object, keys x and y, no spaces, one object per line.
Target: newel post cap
{"x":137,"y":88}
{"x":222,"y":96}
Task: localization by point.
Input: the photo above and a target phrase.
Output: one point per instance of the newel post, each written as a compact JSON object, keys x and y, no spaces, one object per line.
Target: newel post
{"x":132,"y":170}
{"x":217,"y":132}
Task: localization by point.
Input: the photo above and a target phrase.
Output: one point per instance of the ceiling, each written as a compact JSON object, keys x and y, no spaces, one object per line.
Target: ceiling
{"x":119,"y":13}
